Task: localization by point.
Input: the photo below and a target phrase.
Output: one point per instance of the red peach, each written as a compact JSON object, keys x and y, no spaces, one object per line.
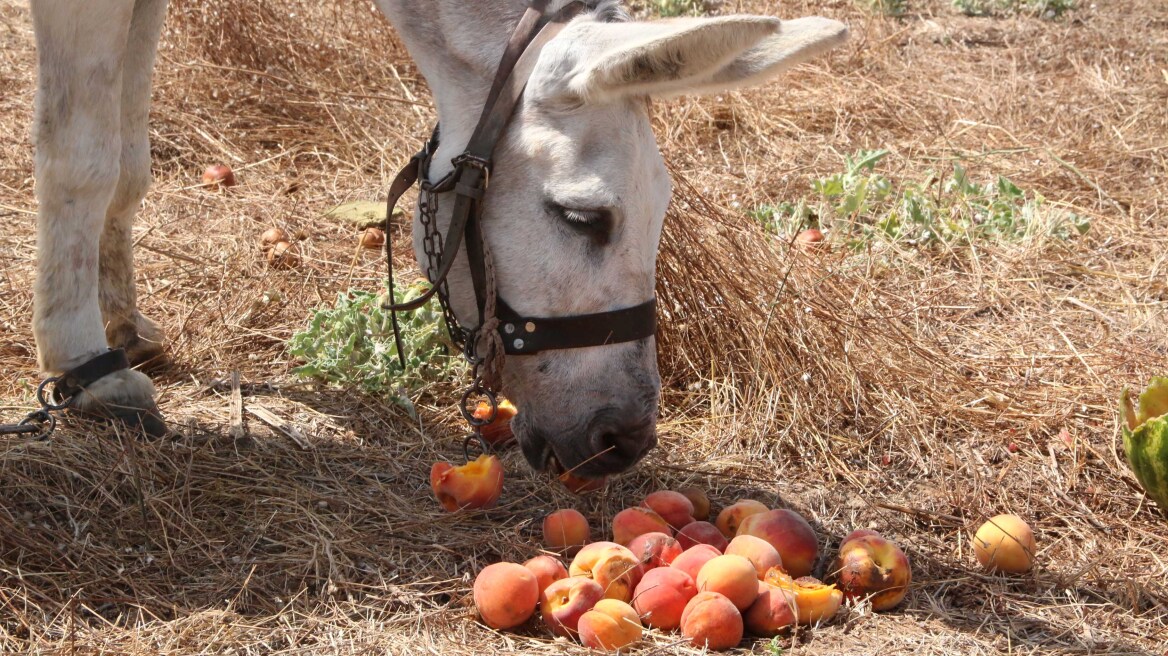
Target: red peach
{"x":610,"y":625}
{"x":733,"y":515}
{"x":700,"y":501}
{"x":655,"y":549}
{"x":614,"y":567}
{"x":372,"y":238}
{"x":477,"y":484}
{"x":547,"y":570}
{"x":757,"y":550}
{"x":771,"y":612}
{"x":498,"y":431}
{"x":789,"y":534}
{"x":631,"y":522}
{"x":564,"y":601}
{"x":710,"y":620}
{"x":732,"y":576}
{"x":579,"y":484}
{"x":701,"y":533}
{"x":565,"y":530}
{"x":858,"y":533}
{"x":672,"y":506}
{"x":661,"y":597}
{"x":218,"y":175}
{"x":874,"y":568}
{"x":505,"y":595}
{"x":691,"y":560}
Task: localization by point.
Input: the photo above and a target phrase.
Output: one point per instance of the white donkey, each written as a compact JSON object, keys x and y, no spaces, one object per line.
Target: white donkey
{"x":574,"y":213}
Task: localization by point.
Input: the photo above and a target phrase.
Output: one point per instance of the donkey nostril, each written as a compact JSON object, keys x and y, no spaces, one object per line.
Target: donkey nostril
{"x":626,"y":444}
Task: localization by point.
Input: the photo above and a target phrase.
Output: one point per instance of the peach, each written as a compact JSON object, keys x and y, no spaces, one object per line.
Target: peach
{"x":771,"y":611}
{"x":733,"y":515}
{"x":564,"y":601}
{"x":505,"y":595}
{"x":871,"y":567}
{"x":732,"y":576}
{"x":565,"y":530}
{"x":691,"y":560}
{"x":218,"y":175}
{"x":499,"y":430}
{"x":631,"y":522}
{"x":547,"y":570}
{"x":655,"y":549}
{"x":700,"y":501}
{"x":710,"y":620}
{"x":587,"y":557}
{"x":581,"y":485}
{"x":673,"y":507}
{"x":661,"y":597}
{"x":477,"y":484}
{"x":701,"y":533}
{"x":610,"y":625}
{"x":1005,"y":544}
{"x":858,"y":533}
{"x":812,"y":600}
{"x":757,"y":550}
{"x":789,"y":534}
{"x":614,"y":567}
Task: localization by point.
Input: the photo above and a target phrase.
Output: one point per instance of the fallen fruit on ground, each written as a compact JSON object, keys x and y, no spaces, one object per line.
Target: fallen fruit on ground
{"x":700,"y":501}
{"x":505,"y":594}
{"x":372,"y":238}
{"x":631,"y":522}
{"x":477,"y":484}
{"x":565,"y":530}
{"x":732,"y":576}
{"x":789,"y":534}
{"x":564,"y":601}
{"x":701,"y":533}
{"x":758,"y":551}
{"x":498,"y":431}
{"x":547,"y":570}
{"x":673,"y":507}
{"x":1145,"y":438}
{"x":691,"y":560}
{"x":874,"y":568}
{"x":661,"y":597}
{"x":812,"y":600}
{"x":611,"y":565}
{"x":771,"y":611}
{"x":809,"y":238}
{"x":579,"y":484}
{"x":218,"y":175}
{"x":655,"y":549}
{"x":858,"y":533}
{"x":610,"y":625}
{"x":1005,"y":544}
{"x":284,"y":255}
{"x":271,"y":237}
{"x":710,"y":620}
{"x":732,"y":516}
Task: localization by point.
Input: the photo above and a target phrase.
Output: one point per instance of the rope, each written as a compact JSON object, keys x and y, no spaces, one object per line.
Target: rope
{"x":490,"y":345}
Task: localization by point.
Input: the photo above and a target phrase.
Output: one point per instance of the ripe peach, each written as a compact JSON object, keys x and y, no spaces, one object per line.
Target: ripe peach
{"x":217,"y":176}
{"x":631,"y":522}
{"x":809,"y":238}
{"x":499,"y":430}
{"x":710,"y":620}
{"x":733,"y":576}
{"x":733,"y":515}
{"x":858,"y":533}
{"x":564,"y":601}
{"x":701,"y":533}
{"x":587,"y":557}
{"x":284,"y":255}
{"x":1005,"y":544}
{"x":789,"y":534}
{"x":700,"y":501}
{"x":581,"y":485}
{"x":372,"y":238}
{"x":661,"y":597}
{"x":610,"y":625}
{"x":673,"y":507}
{"x":611,"y":565}
{"x":565,"y":530}
{"x":812,"y":600}
{"x":547,"y":570}
{"x":757,"y":550}
{"x":873,"y":567}
{"x":271,"y":237}
{"x":691,"y":560}
{"x":771,"y":612}
{"x":477,"y":484}
{"x":655,"y":549}
{"x":505,"y":595}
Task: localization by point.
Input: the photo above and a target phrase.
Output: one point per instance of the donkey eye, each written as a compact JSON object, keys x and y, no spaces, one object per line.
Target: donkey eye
{"x":594,"y":223}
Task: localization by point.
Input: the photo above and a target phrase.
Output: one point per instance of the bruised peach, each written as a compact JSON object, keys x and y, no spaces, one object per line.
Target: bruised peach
{"x":547,"y":570}
{"x":733,"y":515}
{"x":701,"y":533}
{"x":563,"y":602}
{"x":700,"y":501}
{"x":581,"y":485}
{"x":789,"y":534}
{"x":587,"y":557}
{"x":611,"y":565}
{"x":691,"y":560}
{"x":1005,"y":544}
{"x":631,"y":522}
{"x":655,"y":549}
{"x":477,"y":484}
{"x":858,"y":533}
{"x":771,"y":611}
{"x":498,"y":431}
{"x":661,"y":597}
{"x":757,"y":550}
{"x":565,"y":530}
{"x":674,"y":507}
{"x":871,"y":567}
{"x":733,"y":576}
{"x":812,"y":600}
{"x":710,"y":620}
{"x":505,"y":595}
{"x":610,"y":625}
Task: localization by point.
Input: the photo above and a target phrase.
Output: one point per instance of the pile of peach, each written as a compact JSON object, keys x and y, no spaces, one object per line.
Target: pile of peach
{"x":669,"y":568}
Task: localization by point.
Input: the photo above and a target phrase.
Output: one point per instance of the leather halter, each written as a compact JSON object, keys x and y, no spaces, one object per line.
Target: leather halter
{"x":468,"y":181}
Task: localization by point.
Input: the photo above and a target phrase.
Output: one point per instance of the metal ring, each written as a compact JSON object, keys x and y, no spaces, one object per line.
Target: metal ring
{"x":476,"y":388}
{"x":47,"y":422}
{"x":45,"y":403}
{"x":483,"y":444}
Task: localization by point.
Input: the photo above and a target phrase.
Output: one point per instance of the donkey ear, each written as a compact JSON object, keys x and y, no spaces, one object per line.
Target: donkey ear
{"x":695,"y":55}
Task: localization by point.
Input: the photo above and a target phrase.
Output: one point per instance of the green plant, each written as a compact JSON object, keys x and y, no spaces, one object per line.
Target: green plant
{"x":1043,"y":8}
{"x":774,"y":648}
{"x":677,"y":7}
{"x":887,"y":7}
{"x":351,"y":344}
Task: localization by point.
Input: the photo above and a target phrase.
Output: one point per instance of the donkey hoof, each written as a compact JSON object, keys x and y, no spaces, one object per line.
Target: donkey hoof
{"x":126,"y":396}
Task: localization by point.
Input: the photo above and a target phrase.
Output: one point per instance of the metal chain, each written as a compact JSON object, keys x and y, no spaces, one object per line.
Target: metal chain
{"x":39,"y":423}
{"x":432,"y":244}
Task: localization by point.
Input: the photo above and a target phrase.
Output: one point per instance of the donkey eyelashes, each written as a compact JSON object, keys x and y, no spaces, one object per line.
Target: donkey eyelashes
{"x":596,"y":224}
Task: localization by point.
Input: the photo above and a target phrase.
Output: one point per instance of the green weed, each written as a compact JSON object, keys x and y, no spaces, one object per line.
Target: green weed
{"x":1043,"y":8}
{"x":886,"y":7}
{"x":670,"y":8}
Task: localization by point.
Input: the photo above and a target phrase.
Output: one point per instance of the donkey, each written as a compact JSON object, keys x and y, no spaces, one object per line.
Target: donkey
{"x":578,"y":192}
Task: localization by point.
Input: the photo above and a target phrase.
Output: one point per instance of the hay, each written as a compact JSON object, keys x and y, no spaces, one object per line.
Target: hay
{"x":877,"y":388}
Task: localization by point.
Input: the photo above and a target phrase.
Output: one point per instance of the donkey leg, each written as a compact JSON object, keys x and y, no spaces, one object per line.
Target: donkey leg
{"x":80,"y":49}
{"x":125,"y":327}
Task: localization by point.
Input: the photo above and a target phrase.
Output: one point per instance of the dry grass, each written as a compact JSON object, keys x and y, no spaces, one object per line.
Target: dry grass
{"x":878,"y":388}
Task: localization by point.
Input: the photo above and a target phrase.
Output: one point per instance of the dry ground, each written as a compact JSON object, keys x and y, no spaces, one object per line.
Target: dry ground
{"x":878,"y":388}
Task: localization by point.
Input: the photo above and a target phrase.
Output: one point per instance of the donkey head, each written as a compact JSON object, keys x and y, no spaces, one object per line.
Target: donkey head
{"x":577,"y":197}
